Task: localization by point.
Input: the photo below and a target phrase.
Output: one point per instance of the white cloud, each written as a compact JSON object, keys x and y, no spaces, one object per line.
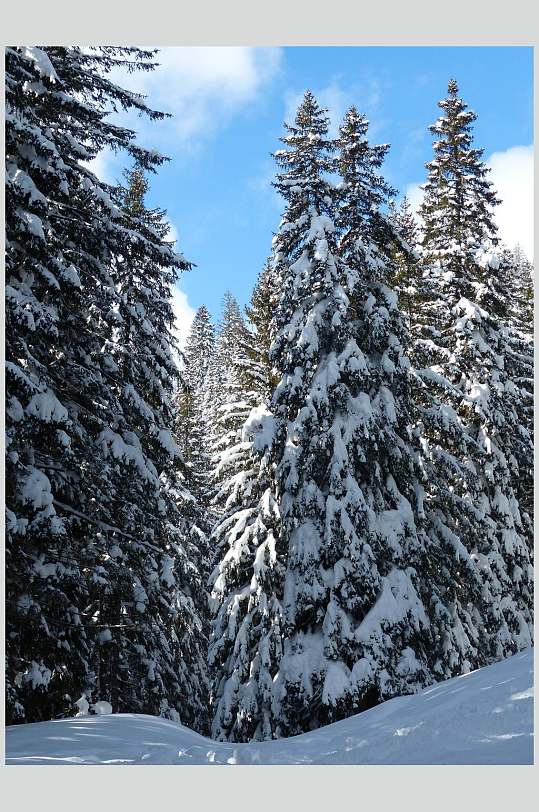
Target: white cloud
{"x":512,"y":176}
{"x":415,"y":194}
{"x":204,"y":86}
{"x":172,"y":235}
{"x":105,"y":166}
{"x":183,"y":313}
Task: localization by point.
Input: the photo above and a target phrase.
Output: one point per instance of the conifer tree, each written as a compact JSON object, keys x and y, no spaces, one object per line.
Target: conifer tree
{"x":521,"y":282}
{"x":196,"y":391}
{"x":67,"y":528}
{"x":241,"y":478}
{"x":257,"y":372}
{"x":317,"y":611}
{"x":456,"y":208}
{"x":231,"y":406}
{"x":61,"y":230}
{"x":228,"y":408}
{"x":230,"y":330}
{"x":152,"y":659}
{"x":244,"y":364}
{"x":515,"y":291}
{"x":405,"y":255}
{"x":347,"y":477}
{"x":472,"y":440}
{"x":195,"y":399}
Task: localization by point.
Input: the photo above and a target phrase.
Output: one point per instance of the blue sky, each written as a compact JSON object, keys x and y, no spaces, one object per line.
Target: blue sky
{"x":229,"y":105}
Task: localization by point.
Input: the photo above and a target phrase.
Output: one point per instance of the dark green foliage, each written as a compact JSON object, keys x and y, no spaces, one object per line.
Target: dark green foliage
{"x":96,"y":560}
{"x":468,"y":410}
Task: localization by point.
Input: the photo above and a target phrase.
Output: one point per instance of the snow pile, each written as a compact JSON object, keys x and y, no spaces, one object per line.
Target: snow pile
{"x":484,"y":717}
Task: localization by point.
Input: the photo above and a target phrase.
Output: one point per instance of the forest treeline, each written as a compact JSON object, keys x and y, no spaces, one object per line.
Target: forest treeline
{"x":328,"y":500}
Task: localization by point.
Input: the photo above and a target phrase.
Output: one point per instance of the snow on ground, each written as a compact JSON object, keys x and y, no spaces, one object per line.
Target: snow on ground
{"x":485,"y":717}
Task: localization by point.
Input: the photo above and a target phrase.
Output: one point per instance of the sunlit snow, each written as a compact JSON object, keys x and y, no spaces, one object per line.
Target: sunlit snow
{"x":484,"y":717}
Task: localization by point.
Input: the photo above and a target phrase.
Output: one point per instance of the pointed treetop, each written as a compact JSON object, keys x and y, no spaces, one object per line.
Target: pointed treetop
{"x":458,"y":200}
{"x":310,"y":115}
{"x":353,"y":138}
{"x":202,"y":314}
{"x":364,"y":188}
{"x":354,"y":126}
{"x":302,"y":181}
{"x":353,"y":115}
{"x":230,"y":304}
{"x":452,"y":87}
{"x":136,"y":189}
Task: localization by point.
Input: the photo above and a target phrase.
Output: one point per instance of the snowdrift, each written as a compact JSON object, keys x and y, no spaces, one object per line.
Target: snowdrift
{"x":485,"y":717}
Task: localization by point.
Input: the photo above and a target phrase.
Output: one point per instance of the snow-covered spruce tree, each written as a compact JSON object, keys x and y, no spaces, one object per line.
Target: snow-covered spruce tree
{"x":151,"y":656}
{"x":522,"y":273}
{"x":228,"y":408}
{"x":468,"y":404}
{"x":245,"y":640}
{"x":195,"y":411}
{"x":230,"y":331}
{"x":406,"y":258}
{"x":194,"y":399}
{"x":257,"y":374}
{"x":244,"y":381}
{"x":60,"y":235}
{"x":508,"y":295}
{"x":355,"y":628}
{"x":243,"y":376}
{"x":64,"y":232}
{"x":518,"y":272}
{"x":334,"y":571}
{"x":450,"y":586}
{"x":232,"y":403}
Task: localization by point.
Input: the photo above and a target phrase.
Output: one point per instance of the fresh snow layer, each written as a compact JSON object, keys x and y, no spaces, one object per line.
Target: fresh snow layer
{"x":484,"y":717}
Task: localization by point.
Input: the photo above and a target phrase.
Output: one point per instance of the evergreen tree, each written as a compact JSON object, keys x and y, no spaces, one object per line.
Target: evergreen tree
{"x":521,"y":281}
{"x":405,"y":255}
{"x":515,"y":291}
{"x":149,"y":591}
{"x":257,"y":374}
{"x":228,"y":408}
{"x":196,"y":391}
{"x":317,"y":611}
{"x":230,"y":332}
{"x":243,"y":361}
{"x":61,"y":231}
{"x":347,"y":476}
{"x":231,"y":407}
{"x":472,"y":442}
{"x":458,"y":200}
{"x":241,"y":479}
{"x":246,"y":637}
{"x":69,"y":443}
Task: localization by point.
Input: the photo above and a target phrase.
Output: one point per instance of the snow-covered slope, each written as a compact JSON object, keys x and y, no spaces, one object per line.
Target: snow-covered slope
{"x":485,"y":717}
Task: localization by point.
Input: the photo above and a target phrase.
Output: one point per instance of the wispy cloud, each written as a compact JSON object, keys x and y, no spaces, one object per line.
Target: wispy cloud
{"x":203,"y":87}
